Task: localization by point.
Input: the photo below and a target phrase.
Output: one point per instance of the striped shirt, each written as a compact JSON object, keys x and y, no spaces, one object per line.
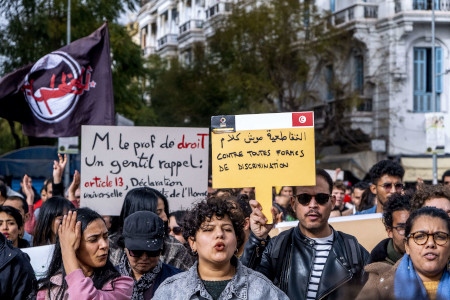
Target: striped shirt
{"x":322,"y":247}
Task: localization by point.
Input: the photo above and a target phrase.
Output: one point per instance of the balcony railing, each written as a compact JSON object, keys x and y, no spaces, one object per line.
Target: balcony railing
{"x":402,"y":5}
{"x":168,"y":40}
{"x":191,"y":25}
{"x":221,"y":7}
{"x":355,"y":12}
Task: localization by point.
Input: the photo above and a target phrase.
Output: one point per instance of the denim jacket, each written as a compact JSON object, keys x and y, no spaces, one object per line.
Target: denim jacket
{"x":245,"y":284}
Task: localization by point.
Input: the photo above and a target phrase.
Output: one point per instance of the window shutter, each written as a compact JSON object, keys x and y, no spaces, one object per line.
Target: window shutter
{"x":438,"y":58}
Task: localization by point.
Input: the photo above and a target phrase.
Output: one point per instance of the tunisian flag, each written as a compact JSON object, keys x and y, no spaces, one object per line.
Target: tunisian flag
{"x":63,"y":90}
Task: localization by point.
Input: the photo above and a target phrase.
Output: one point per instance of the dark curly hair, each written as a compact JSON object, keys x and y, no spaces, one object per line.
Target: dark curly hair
{"x":396,"y":202}
{"x":242,"y":200}
{"x":219,"y":207}
{"x":426,"y":211}
{"x":385,"y":167}
{"x":428,"y":192}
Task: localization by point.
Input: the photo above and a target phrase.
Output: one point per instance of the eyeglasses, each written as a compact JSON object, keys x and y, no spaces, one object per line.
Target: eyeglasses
{"x":400,"y":229}
{"x":139,"y":253}
{"x":421,"y":238}
{"x":176,"y":230}
{"x":388,"y":186}
{"x":304,"y":199}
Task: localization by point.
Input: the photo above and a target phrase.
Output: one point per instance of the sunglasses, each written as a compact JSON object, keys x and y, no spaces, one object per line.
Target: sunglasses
{"x":176,"y":230}
{"x":139,"y":253}
{"x":446,"y":182}
{"x":388,"y":186}
{"x":321,"y":198}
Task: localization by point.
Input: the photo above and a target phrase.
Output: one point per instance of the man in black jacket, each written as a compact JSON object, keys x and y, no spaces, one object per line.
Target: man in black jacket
{"x":17,"y":279}
{"x":311,"y":260}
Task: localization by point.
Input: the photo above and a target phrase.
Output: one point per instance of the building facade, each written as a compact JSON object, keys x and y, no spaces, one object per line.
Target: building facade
{"x":401,"y":111}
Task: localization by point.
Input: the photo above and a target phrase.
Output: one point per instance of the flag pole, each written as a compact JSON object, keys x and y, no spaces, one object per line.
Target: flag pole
{"x":67,"y":170}
{"x":68,"y":22}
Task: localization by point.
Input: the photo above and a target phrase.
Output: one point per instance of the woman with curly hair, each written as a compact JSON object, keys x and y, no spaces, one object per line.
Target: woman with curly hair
{"x":214,"y":230}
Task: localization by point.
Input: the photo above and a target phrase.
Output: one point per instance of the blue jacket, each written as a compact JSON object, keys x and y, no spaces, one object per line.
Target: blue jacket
{"x":371,"y":210}
{"x":246,"y":284}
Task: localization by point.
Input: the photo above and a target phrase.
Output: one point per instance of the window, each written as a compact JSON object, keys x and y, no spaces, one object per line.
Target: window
{"x":423,"y":101}
{"x":332,"y":6}
{"x":426,"y":4}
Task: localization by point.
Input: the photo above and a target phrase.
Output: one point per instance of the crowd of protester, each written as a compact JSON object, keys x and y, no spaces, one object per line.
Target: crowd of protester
{"x":221,"y":248}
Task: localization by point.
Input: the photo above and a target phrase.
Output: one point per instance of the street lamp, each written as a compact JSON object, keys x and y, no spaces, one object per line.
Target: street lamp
{"x":433,"y":84}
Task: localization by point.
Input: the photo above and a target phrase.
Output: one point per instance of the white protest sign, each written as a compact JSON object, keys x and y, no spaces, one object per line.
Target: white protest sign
{"x":40,"y":258}
{"x":115,"y":159}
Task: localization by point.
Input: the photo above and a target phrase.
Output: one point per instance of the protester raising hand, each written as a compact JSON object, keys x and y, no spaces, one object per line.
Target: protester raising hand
{"x":29,"y":219}
{"x":58,"y":168}
{"x":58,"y":171}
{"x":69,"y":239}
{"x":81,"y":251}
{"x":28,"y":189}
{"x":258,"y":221}
{"x":74,"y":190}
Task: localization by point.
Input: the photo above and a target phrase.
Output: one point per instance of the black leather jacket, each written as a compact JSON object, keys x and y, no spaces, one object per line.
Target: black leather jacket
{"x":341,"y":279}
{"x":17,"y":280}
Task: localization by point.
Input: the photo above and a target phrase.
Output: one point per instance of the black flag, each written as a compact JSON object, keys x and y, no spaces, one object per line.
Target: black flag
{"x":63,"y":90}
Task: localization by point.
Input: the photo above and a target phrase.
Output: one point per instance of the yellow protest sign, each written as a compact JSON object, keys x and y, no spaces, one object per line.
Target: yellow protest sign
{"x":262,"y":151}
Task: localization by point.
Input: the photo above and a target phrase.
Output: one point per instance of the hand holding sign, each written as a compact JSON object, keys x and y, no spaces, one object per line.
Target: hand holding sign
{"x":263,"y":150}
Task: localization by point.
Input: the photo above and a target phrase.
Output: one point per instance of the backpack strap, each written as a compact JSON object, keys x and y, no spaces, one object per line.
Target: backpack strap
{"x":351,"y":249}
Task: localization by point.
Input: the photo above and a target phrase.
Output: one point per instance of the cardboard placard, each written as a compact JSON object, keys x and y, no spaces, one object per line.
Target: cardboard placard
{"x":368,"y":229}
{"x":116,"y":159}
{"x":262,"y":151}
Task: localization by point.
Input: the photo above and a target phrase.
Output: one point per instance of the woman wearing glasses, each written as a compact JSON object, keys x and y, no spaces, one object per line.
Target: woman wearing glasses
{"x":214,"y":230}
{"x":143,"y":234}
{"x":423,"y":272}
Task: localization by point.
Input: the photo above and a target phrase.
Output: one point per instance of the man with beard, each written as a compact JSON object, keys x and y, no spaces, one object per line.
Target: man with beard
{"x":331,"y":263}
{"x":386,"y":178}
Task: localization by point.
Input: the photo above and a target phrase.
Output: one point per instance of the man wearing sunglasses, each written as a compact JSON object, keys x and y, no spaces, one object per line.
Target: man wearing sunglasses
{"x":143,"y":234}
{"x":386,"y":178}
{"x":311,"y":260}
